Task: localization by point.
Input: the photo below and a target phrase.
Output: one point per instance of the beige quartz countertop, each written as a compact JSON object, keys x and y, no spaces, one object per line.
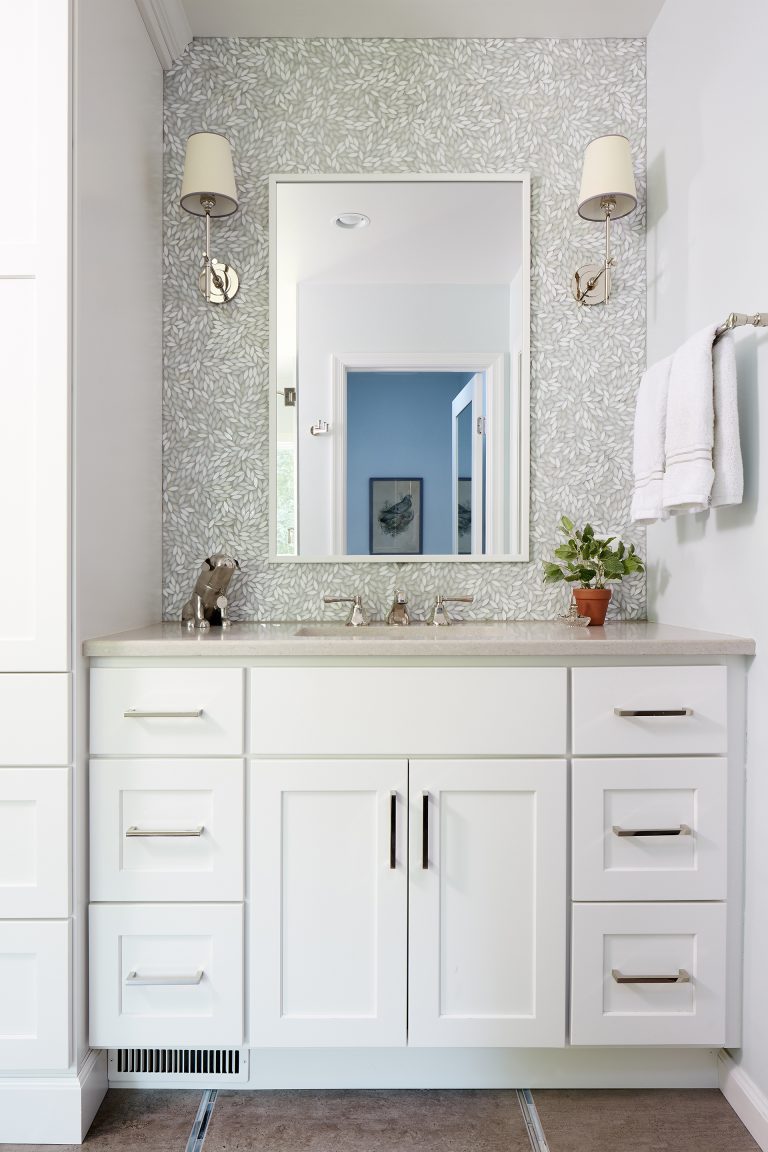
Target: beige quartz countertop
{"x":517,"y":638}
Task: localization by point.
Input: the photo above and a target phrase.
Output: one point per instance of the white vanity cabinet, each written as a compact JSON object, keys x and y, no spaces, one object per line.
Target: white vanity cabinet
{"x":416,"y":902}
{"x":649,"y":966}
{"x":386,"y":856}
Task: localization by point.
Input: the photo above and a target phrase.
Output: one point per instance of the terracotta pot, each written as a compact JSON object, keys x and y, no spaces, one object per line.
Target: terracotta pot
{"x":592,"y":602}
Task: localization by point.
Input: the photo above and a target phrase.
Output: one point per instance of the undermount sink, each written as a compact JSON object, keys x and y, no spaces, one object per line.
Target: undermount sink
{"x":381,"y":631}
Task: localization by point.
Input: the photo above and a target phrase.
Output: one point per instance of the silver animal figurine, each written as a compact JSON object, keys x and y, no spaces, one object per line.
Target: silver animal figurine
{"x":208,"y":603}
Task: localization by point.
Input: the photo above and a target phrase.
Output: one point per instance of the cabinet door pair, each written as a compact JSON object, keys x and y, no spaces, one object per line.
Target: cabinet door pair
{"x":417,"y":902}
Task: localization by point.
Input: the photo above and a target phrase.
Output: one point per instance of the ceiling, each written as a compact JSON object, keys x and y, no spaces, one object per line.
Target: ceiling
{"x":505,"y":19}
{"x":433,"y":232}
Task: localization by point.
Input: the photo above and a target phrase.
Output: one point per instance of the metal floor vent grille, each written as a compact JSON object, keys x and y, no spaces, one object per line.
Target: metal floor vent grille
{"x":191,"y":1065}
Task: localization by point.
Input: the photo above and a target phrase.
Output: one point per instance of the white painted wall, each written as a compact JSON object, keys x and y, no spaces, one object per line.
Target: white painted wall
{"x":708,"y":256}
{"x":117,"y":363}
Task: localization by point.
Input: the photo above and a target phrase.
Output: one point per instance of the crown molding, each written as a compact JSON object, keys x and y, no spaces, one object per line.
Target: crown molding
{"x":168,"y":28}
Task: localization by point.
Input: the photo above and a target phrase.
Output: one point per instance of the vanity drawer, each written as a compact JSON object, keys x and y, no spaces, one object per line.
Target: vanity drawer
{"x":408,"y":711}
{"x":649,"y":711}
{"x":165,"y":975}
{"x":34,"y":843}
{"x":649,"y":829}
{"x":167,"y":711}
{"x":681,"y":945}
{"x":167,"y":829}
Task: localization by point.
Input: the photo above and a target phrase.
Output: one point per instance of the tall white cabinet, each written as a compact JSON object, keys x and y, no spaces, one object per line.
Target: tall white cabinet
{"x":80,"y":271}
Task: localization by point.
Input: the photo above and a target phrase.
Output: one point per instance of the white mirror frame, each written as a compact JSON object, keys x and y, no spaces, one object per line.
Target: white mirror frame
{"x":519,"y":385}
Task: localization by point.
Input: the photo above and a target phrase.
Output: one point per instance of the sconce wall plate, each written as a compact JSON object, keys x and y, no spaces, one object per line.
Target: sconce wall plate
{"x":224,"y":282}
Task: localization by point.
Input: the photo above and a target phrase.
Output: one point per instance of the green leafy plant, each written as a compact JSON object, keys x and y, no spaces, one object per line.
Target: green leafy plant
{"x":589,"y":561}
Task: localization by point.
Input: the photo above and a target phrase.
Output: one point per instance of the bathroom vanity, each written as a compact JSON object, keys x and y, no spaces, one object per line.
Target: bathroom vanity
{"x":308,"y":841}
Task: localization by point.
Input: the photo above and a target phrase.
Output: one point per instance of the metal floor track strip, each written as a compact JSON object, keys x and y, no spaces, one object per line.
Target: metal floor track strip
{"x":532,"y":1121}
{"x":202,"y":1120}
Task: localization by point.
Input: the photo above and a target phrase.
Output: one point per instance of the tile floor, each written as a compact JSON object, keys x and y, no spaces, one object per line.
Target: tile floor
{"x":434,"y":1121}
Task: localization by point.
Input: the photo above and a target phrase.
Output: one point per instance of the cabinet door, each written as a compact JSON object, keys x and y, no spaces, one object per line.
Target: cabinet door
{"x":34,"y":843}
{"x":34,"y":336}
{"x":487,"y":903}
{"x":34,"y":994}
{"x":329,"y":903}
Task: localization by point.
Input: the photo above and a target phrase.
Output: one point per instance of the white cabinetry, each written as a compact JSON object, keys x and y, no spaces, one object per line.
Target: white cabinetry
{"x":487,"y":903}
{"x":403,"y":891}
{"x":34,"y":994}
{"x":650,"y":828}
{"x":328,"y":902}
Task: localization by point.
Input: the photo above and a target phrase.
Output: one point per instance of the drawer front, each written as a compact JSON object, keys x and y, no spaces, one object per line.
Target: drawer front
{"x":34,"y":843}
{"x":34,"y":995}
{"x":167,"y":830}
{"x":34,"y":719}
{"x":649,"y":711}
{"x":649,"y":829}
{"x":408,"y":711}
{"x":670,"y":942}
{"x":167,"y":711}
{"x":165,"y":974}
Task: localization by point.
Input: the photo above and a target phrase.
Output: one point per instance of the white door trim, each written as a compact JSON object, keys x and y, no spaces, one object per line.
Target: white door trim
{"x":491,"y":364}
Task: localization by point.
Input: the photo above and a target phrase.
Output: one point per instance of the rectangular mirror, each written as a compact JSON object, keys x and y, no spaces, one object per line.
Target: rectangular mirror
{"x":399,"y":367}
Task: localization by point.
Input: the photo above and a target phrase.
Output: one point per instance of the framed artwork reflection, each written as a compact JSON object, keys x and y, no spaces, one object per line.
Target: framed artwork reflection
{"x":396,"y":524}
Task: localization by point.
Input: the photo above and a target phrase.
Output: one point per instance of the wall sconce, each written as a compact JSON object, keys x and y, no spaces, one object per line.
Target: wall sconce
{"x":208,"y":189}
{"x":607,"y":193}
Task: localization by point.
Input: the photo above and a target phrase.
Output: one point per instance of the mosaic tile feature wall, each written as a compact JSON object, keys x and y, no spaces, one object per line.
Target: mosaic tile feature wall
{"x":410,"y":106}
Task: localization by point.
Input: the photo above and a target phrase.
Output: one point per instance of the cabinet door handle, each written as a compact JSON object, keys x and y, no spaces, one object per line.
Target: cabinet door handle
{"x":134,"y":831}
{"x":682,"y":830}
{"x":425,"y":830}
{"x":682,"y":977}
{"x":653,"y":711}
{"x":158,"y":979}
{"x":393,"y":829}
{"x":138,"y":714}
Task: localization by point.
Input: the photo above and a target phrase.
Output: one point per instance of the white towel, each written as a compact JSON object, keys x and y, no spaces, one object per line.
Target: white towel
{"x":689,"y":437}
{"x":650,"y":428}
{"x":728,"y":485}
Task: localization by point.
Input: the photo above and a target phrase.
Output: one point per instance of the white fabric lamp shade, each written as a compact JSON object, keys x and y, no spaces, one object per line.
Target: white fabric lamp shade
{"x":208,"y":173}
{"x":607,"y":172}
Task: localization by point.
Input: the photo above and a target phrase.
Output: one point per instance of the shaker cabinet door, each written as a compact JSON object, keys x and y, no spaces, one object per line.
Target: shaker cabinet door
{"x":487,"y":903}
{"x":329,"y":903}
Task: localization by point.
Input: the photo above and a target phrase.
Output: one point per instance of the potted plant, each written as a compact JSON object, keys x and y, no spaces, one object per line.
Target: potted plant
{"x":591,"y":563}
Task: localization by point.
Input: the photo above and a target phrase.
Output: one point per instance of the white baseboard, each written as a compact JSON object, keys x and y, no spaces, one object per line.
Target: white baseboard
{"x":52,"y":1109}
{"x":748,"y":1102}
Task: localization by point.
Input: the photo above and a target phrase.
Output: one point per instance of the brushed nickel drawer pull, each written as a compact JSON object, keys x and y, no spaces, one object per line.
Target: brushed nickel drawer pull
{"x":682,"y":977}
{"x":653,"y":711}
{"x":138,"y":714}
{"x":134,"y":831}
{"x":682,"y":830}
{"x":151,"y":980}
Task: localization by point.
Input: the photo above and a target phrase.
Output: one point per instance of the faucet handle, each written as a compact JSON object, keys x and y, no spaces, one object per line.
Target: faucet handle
{"x":439,"y":613}
{"x":358,"y":617}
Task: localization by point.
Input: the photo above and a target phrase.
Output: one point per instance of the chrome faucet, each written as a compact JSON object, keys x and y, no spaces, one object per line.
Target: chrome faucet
{"x":398,"y":613}
{"x":357,"y":617}
{"x":439,"y":613}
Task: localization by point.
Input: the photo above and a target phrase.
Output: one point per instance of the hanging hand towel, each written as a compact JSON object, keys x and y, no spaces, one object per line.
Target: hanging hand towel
{"x":650,"y":427}
{"x":728,"y":485}
{"x":689,"y":436}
